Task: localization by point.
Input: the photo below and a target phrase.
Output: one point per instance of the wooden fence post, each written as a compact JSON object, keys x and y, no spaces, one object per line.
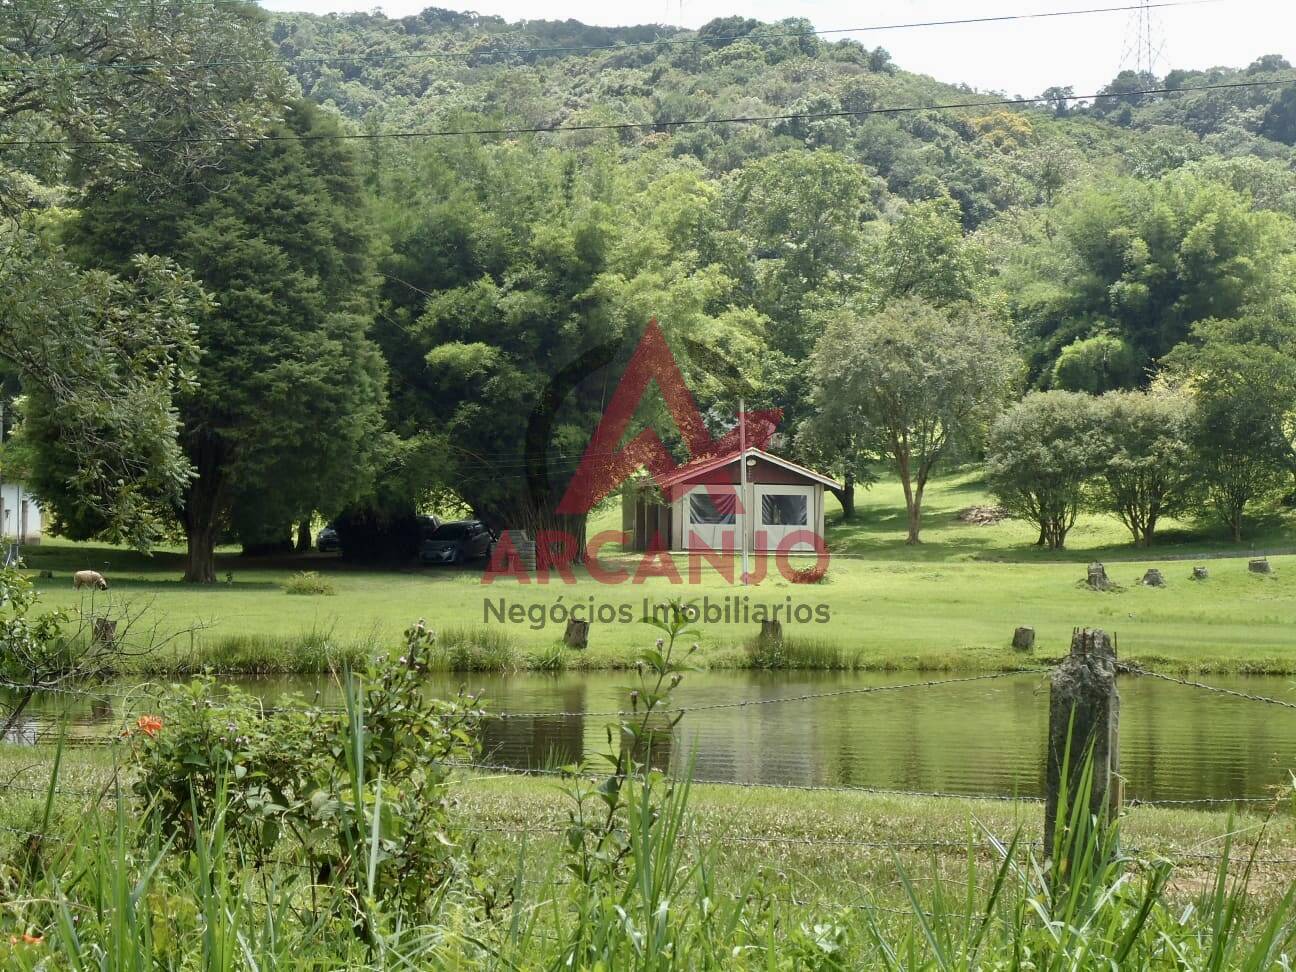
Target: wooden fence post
{"x":1084,"y":709}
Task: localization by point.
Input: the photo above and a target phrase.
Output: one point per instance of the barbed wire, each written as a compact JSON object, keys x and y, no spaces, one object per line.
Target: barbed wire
{"x":989,"y":843}
{"x":1123,"y":667}
{"x":500,"y":771}
{"x":727,"y":838}
{"x":1201,"y":801}
{"x":1128,"y":669}
{"x":742,"y":784}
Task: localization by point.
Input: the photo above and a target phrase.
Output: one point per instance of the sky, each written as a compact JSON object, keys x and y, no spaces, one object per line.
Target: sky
{"x":1018,"y":57}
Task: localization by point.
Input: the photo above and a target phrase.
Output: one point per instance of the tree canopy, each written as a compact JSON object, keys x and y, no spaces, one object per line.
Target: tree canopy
{"x":237,"y":333}
{"x":285,"y":414}
{"x":914,"y":379}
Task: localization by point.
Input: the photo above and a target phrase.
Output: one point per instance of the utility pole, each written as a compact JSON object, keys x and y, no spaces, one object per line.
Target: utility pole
{"x":742,"y":482}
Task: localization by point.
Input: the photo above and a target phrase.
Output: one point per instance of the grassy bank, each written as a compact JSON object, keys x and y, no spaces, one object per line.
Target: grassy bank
{"x":878,"y":531}
{"x":774,"y":878}
{"x":787,"y":831}
{"x":950,"y":604}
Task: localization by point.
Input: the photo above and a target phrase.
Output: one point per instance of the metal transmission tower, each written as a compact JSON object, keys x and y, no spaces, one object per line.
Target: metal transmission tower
{"x":1144,"y":40}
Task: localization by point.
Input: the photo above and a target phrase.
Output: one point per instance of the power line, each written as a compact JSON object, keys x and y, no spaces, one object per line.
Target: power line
{"x":634,"y":45}
{"x":636,"y":126}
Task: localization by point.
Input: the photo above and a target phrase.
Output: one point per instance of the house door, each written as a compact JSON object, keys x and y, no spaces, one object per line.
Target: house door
{"x":782,"y":511}
{"x":711,"y":518}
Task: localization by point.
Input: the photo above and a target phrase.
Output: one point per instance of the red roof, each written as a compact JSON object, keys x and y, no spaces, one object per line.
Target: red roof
{"x":706,"y":464}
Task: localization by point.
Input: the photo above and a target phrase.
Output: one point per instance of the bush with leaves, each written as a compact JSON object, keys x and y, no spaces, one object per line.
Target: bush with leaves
{"x":1095,"y":365}
{"x":309,"y":583}
{"x":358,"y":794}
{"x":1146,"y":458}
{"x":1041,"y":457}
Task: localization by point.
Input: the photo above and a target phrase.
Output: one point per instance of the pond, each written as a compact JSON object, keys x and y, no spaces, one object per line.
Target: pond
{"x":978,"y":737}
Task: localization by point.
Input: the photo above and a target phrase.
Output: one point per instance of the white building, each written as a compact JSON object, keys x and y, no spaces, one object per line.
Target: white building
{"x":20,"y":515}
{"x":703,"y":511}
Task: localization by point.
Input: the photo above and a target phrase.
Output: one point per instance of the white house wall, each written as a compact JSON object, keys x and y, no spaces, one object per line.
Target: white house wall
{"x":679,"y":512}
{"x":13,"y":497}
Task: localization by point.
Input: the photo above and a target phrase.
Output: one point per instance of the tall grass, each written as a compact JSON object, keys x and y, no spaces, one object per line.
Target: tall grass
{"x":475,"y":649}
{"x":796,"y":652}
{"x":313,"y":651}
{"x":108,"y":892}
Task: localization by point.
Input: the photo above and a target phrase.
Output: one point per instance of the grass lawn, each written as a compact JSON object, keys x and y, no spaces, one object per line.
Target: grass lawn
{"x":811,"y":850}
{"x":951,"y":603}
{"x":878,"y":531}
{"x":771,"y":831}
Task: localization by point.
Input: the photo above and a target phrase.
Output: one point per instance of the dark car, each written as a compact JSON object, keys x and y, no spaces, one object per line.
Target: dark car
{"x":456,"y":542}
{"x":327,"y":540}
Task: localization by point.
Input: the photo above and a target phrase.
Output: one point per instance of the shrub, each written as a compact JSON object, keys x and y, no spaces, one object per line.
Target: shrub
{"x":1041,"y":457}
{"x":801,"y":653}
{"x":359,"y":793}
{"x":551,"y":658}
{"x":308,"y":583}
{"x":1147,"y":470}
{"x":767,"y":653}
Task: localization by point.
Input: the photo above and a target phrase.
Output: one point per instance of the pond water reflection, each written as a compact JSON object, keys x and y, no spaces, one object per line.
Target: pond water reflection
{"x":975,"y":737}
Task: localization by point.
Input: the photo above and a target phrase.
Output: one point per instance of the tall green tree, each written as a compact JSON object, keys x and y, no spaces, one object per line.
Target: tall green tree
{"x":800,"y":216}
{"x":916,"y":379}
{"x":833,"y":439}
{"x":1242,"y":377}
{"x":925,"y":254}
{"x":285,"y":417}
{"x":520,"y":281}
{"x":1146,"y":458}
{"x":82,"y":87}
{"x":1146,"y":260}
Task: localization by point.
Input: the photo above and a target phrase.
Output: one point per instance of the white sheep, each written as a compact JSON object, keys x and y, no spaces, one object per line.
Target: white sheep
{"x":89,"y":578}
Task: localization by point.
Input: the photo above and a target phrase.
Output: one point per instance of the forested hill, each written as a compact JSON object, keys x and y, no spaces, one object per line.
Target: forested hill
{"x":416,"y":72}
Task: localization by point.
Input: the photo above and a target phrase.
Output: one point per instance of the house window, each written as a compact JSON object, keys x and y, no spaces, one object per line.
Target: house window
{"x":712,"y":508}
{"x":784,"y":509}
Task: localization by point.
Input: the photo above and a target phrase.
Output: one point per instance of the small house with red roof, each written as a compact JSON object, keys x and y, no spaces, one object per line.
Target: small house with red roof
{"x":698,"y":506}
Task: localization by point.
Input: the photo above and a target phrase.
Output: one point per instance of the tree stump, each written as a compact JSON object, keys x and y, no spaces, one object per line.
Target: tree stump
{"x":1024,"y":639}
{"x":1153,"y":578}
{"x":1260,"y":566}
{"x":577,"y":634}
{"x":1097,"y":578}
{"x":771,"y":632}
{"x":1200,"y":573}
{"x":104,"y":633}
